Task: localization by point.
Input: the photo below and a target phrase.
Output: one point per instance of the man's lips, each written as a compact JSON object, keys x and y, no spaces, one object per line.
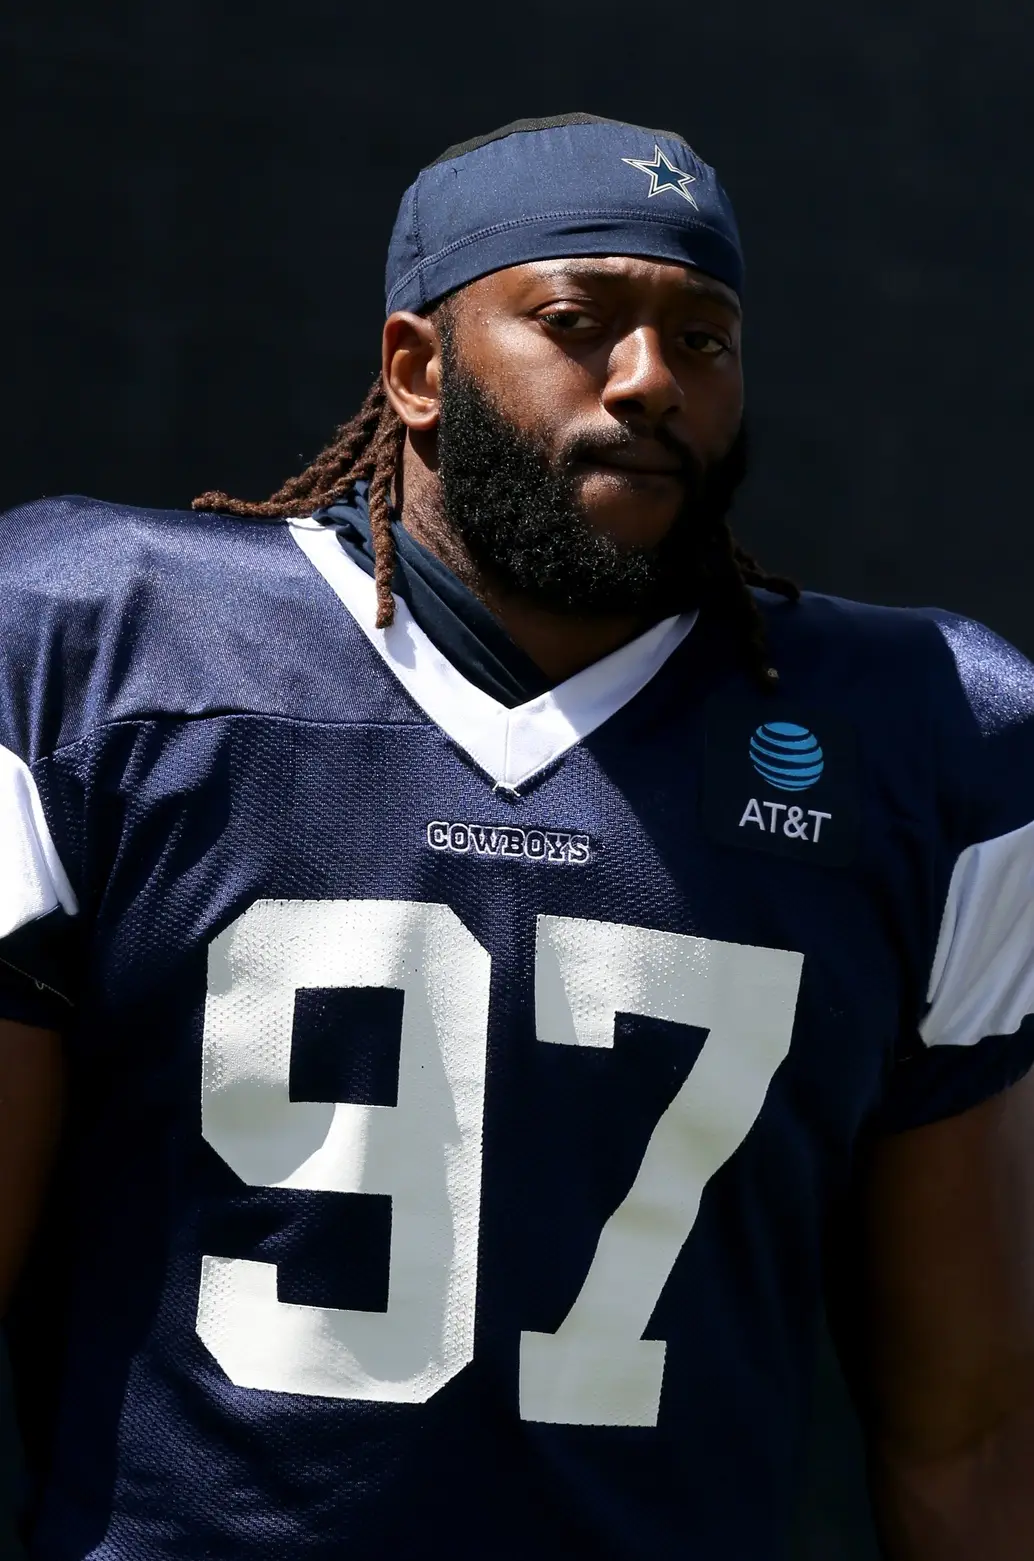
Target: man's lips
{"x":641,"y":463}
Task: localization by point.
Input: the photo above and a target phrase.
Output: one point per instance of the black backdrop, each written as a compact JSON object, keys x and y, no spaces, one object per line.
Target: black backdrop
{"x":197,"y":198}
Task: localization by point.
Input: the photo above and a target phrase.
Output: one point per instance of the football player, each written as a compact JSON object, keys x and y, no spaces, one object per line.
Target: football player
{"x":499,"y":951}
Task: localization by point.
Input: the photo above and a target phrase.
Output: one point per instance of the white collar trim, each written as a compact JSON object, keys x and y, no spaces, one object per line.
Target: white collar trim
{"x":509,"y":745}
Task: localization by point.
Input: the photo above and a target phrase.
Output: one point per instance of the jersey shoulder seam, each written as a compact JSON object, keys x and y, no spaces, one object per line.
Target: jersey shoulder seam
{"x":186,"y":717}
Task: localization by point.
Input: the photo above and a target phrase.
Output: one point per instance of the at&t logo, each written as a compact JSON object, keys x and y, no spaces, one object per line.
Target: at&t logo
{"x":795,"y":826}
{"x":788,"y":758}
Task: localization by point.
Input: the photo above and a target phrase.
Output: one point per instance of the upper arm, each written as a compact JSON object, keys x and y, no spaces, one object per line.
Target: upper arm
{"x":31,"y":1084}
{"x":949,"y":1277}
{"x":40,"y":645}
{"x":948,"y":1204}
{"x":948,"y":1216}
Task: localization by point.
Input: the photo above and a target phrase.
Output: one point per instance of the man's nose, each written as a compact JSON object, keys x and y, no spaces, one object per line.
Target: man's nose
{"x":640,"y":384}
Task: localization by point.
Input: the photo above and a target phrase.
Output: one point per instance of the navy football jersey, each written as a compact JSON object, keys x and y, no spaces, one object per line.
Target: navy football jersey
{"x":459,"y":1093}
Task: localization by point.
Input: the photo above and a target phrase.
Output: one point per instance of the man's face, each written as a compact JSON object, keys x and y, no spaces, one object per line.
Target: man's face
{"x":589,"y":440}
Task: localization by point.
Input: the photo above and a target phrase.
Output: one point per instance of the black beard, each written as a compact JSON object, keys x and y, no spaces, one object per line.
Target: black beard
{"x":517,"y":512}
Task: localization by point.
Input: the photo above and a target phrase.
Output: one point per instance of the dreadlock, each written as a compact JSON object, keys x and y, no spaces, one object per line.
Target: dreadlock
{"x":369,"y":447}
{"x":366,"y":448}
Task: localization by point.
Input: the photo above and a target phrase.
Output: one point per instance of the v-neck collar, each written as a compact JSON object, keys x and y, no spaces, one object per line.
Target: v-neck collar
{"x":509,"y":745}
{"x":451,"y":616}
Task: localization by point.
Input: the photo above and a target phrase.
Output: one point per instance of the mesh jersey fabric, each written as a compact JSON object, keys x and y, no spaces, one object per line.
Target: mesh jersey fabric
{"x":450,"y":1147}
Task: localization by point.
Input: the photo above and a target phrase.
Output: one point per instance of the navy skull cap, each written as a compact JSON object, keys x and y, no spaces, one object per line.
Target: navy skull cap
{"x":543,"y":189}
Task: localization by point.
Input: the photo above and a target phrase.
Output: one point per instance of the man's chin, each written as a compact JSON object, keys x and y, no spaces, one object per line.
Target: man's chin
{"x":637,"y":511}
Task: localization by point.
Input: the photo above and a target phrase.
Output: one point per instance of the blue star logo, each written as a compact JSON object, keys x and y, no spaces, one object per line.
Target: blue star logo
{"x":664,"y":175}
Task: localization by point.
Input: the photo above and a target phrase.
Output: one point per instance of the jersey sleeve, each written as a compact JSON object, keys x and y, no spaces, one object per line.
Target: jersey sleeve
{"x":38,"y":904}
{"x":976,"y":1034}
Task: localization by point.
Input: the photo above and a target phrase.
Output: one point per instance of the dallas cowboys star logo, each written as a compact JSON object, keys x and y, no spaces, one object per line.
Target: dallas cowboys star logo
{"x":664,"y":175}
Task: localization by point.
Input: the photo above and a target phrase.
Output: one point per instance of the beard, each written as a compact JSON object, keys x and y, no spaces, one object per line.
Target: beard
{"x":517,"y":511}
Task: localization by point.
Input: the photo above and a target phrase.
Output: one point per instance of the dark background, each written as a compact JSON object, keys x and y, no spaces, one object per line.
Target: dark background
{"x":197,"y":197}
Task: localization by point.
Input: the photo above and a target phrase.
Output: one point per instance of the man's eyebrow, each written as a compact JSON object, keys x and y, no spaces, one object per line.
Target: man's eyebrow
{"x":697,"y":286}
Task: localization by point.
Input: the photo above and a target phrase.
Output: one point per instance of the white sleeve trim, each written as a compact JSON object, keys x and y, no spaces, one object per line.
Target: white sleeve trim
{"x":982,"y":981}
{"x":32,"y":880}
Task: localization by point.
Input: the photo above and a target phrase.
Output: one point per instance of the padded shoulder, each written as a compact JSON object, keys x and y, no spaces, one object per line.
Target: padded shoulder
{"x":961,"y":662}
{"x":858,"y":639}
{"x":112,"y":611}
{"x":997,"y":681}
{"x":83,"y":553}
{"x":932,"y":683}
{"x":117,"y":614}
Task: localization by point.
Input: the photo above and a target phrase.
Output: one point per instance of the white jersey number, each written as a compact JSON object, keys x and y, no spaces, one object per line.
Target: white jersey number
{"x":597,"y":1369}
{"x":425,"y":1152}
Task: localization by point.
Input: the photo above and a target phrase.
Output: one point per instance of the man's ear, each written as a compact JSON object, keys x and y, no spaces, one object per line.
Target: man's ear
{"x":411,"y":365}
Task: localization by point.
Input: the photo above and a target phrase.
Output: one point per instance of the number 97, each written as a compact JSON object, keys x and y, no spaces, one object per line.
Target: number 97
{"x":426,"y":1151}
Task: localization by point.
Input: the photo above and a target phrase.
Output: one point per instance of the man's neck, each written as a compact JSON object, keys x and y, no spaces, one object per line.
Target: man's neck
{"x":560,"y":643}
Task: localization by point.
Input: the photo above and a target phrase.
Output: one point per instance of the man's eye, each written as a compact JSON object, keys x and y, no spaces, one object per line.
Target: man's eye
{"x":704,"y":342}
{"x":568,"y":319}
